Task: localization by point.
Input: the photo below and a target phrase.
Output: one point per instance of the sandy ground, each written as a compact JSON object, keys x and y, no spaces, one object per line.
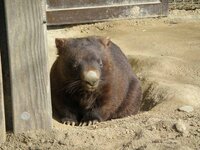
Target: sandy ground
{"x":165,"y":55}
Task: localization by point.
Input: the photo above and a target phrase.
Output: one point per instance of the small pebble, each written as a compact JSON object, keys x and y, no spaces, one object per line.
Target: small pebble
{"x":186,"y":108}
{"x":29,"y":144}
{"x":198,"y":130}
{"x":42,"y":140}
{"x":62,"y":142}
{"x":180,"y":127}
{"x":173,"y":22}
{"x":127,"y":131}
{"x":37,"y":148}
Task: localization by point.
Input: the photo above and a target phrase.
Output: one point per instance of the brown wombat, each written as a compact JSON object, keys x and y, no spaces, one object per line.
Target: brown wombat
{"x":91,"y":80}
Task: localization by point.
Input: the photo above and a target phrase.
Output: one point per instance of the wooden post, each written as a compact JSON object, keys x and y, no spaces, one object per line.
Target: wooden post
{"x":2,"y":39}
{"x":2,"y":117}
{"x":27,"y":64}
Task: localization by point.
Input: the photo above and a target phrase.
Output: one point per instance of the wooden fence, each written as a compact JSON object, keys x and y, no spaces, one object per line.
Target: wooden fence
{"x":84,"y":11}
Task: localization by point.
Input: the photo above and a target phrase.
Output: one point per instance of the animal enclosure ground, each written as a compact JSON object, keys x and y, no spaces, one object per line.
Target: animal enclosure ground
{"x":164,"y":53}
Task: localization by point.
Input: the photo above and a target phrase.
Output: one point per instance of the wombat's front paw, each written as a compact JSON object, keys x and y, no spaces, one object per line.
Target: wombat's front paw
{"x":69,"y":121}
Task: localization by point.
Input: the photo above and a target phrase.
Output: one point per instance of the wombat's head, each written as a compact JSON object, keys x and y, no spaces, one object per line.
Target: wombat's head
{"x":82,"y":61}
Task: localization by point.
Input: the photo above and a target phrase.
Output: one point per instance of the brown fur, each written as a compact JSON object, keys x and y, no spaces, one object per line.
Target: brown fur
{"x":118,"y":93}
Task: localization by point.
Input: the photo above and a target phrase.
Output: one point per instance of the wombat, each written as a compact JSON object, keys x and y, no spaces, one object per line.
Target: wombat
{"x":92,"y":81}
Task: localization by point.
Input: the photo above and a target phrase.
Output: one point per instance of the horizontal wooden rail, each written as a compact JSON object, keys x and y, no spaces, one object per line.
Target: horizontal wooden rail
{"x":57,"y":15}
{"x":51,"y":4}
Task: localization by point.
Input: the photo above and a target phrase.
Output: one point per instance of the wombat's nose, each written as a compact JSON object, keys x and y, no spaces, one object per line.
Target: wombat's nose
{"x":91,"y":77}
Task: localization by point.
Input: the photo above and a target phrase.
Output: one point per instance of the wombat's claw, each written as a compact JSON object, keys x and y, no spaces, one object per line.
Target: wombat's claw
{"x":93,"y":122}
{"x":88,"y":123}
{"x":82,"y":123}
{"x":71,"y":123}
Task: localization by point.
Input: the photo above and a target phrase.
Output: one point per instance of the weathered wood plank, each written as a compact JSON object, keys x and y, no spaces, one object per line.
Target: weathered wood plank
{"x":29,"y":77}
{"x":2,"y":41}
{"x":2,"y":116}
{"x":165,"y":7}
{"x":94,"y":14}
{"x":91,"y":3}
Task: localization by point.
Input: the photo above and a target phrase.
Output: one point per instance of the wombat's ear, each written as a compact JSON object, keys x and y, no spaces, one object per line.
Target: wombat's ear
{"x":60,"y":43}
{"x":105,"y":41}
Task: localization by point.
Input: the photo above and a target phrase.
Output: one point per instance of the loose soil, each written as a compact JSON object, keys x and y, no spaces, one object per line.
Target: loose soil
{"x":165,"y":55}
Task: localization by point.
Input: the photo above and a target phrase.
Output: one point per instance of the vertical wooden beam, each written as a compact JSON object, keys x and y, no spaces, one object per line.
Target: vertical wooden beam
{"x":2,"y":117}
{"x":27,"y":54}
{"x":165,"y":7}
{"x":2,"y":39}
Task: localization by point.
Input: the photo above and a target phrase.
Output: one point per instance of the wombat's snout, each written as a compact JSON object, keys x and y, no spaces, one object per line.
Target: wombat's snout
{"x":91,"y":79}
